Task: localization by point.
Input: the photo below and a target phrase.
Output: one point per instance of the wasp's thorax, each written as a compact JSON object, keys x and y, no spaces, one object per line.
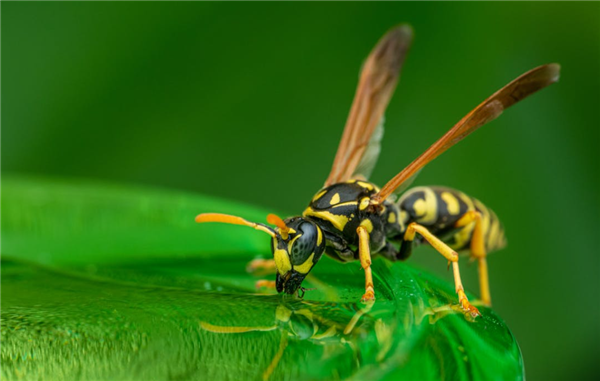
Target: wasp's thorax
{"x":296,"y":248}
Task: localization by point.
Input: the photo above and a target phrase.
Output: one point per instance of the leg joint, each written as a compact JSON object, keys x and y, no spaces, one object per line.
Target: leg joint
{"x":467,"y":218}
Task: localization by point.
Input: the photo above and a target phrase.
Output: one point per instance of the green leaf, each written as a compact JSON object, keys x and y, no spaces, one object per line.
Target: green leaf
{"x":105,"y":282}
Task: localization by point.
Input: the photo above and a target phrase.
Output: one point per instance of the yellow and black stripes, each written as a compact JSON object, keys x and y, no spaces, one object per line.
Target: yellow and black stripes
{"x":440,"y":208}
{"x":343,"y":222}
{"x":493,"y":232}
{"x":451,"y":221}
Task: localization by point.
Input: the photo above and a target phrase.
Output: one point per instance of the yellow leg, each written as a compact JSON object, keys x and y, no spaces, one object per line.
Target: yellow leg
{"x":364,"y":254}
{"x":268,"y":265}
{"x":478,"y":251}
{"x":282,"y":345}
{"x":225,"y":329}
{"x":450,"y":255}
{"x":350,"y":326}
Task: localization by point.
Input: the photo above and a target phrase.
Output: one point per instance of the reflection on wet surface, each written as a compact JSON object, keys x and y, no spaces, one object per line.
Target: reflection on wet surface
{"x":341,"y":329}
{"x":325,"y":324}
{"x":188,"y":320}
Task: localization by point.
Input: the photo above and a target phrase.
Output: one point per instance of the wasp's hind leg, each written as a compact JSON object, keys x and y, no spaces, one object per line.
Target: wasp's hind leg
{"x":478,"y":252}
{"x":449,"y":254}
{"x":365,"y":261}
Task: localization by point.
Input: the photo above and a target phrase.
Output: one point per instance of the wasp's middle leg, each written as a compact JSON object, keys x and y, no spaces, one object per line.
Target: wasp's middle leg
{"x":448,"y":253}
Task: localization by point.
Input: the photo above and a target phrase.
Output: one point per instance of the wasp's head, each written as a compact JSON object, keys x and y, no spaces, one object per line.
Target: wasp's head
{"x":297,"y":246}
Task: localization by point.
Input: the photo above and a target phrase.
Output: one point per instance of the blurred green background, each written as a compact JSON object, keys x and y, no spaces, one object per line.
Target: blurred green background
{"x":247,"y":101}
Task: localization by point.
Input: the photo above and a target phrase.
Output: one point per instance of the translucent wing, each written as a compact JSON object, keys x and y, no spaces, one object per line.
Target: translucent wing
{"x":520,"y":88}
{"x":369,"y":158}
{"x":377,"y":82}
{"x":404,"y":186}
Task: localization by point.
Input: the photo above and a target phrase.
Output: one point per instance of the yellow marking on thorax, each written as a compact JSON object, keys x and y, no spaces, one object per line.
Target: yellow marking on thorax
{"x":319,"y":195}
{"x":335,"y":199}
{"x":282,"y":261}
{"x":338,"y":221}
{"x":451,"y":203}
{"x":319,"y":236}
{"x":347,"y":203}
{"x":306,"y":266}
{"x":364,"y":202}
{"x":341,"y":204}
{"x":365,"y":185}
{"x":392,"y":217}
{"x":367,"y":224}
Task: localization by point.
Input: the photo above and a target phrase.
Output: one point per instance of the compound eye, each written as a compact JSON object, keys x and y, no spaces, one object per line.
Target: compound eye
{"x":304,"y":245}
{"x":300,"y":250}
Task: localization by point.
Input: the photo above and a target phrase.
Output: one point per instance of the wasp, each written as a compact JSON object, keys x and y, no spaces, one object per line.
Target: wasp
{"x":351,"y":219}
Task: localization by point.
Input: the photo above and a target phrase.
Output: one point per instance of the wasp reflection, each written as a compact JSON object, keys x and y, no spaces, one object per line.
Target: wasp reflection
{"x":336,"y":333}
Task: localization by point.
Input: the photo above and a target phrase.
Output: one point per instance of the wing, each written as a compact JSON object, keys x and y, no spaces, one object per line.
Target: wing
{"x":359,"y":147}
{"x":520,"y":88}
{"x":371,"y":154}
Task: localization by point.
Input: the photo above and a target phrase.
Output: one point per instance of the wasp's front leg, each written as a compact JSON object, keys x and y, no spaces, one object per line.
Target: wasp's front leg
{"x":365,"y":261}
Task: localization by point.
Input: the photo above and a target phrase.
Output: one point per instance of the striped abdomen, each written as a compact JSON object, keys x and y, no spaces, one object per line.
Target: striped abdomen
{"x":439,"y":208}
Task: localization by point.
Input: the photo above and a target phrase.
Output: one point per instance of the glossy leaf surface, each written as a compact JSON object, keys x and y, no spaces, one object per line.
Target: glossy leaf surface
{"x":104,"y":282}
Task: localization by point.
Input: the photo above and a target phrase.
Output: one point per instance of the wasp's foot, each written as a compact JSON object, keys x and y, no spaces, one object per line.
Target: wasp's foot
{"x":369,"y":296}
{"x":466,"y":306}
